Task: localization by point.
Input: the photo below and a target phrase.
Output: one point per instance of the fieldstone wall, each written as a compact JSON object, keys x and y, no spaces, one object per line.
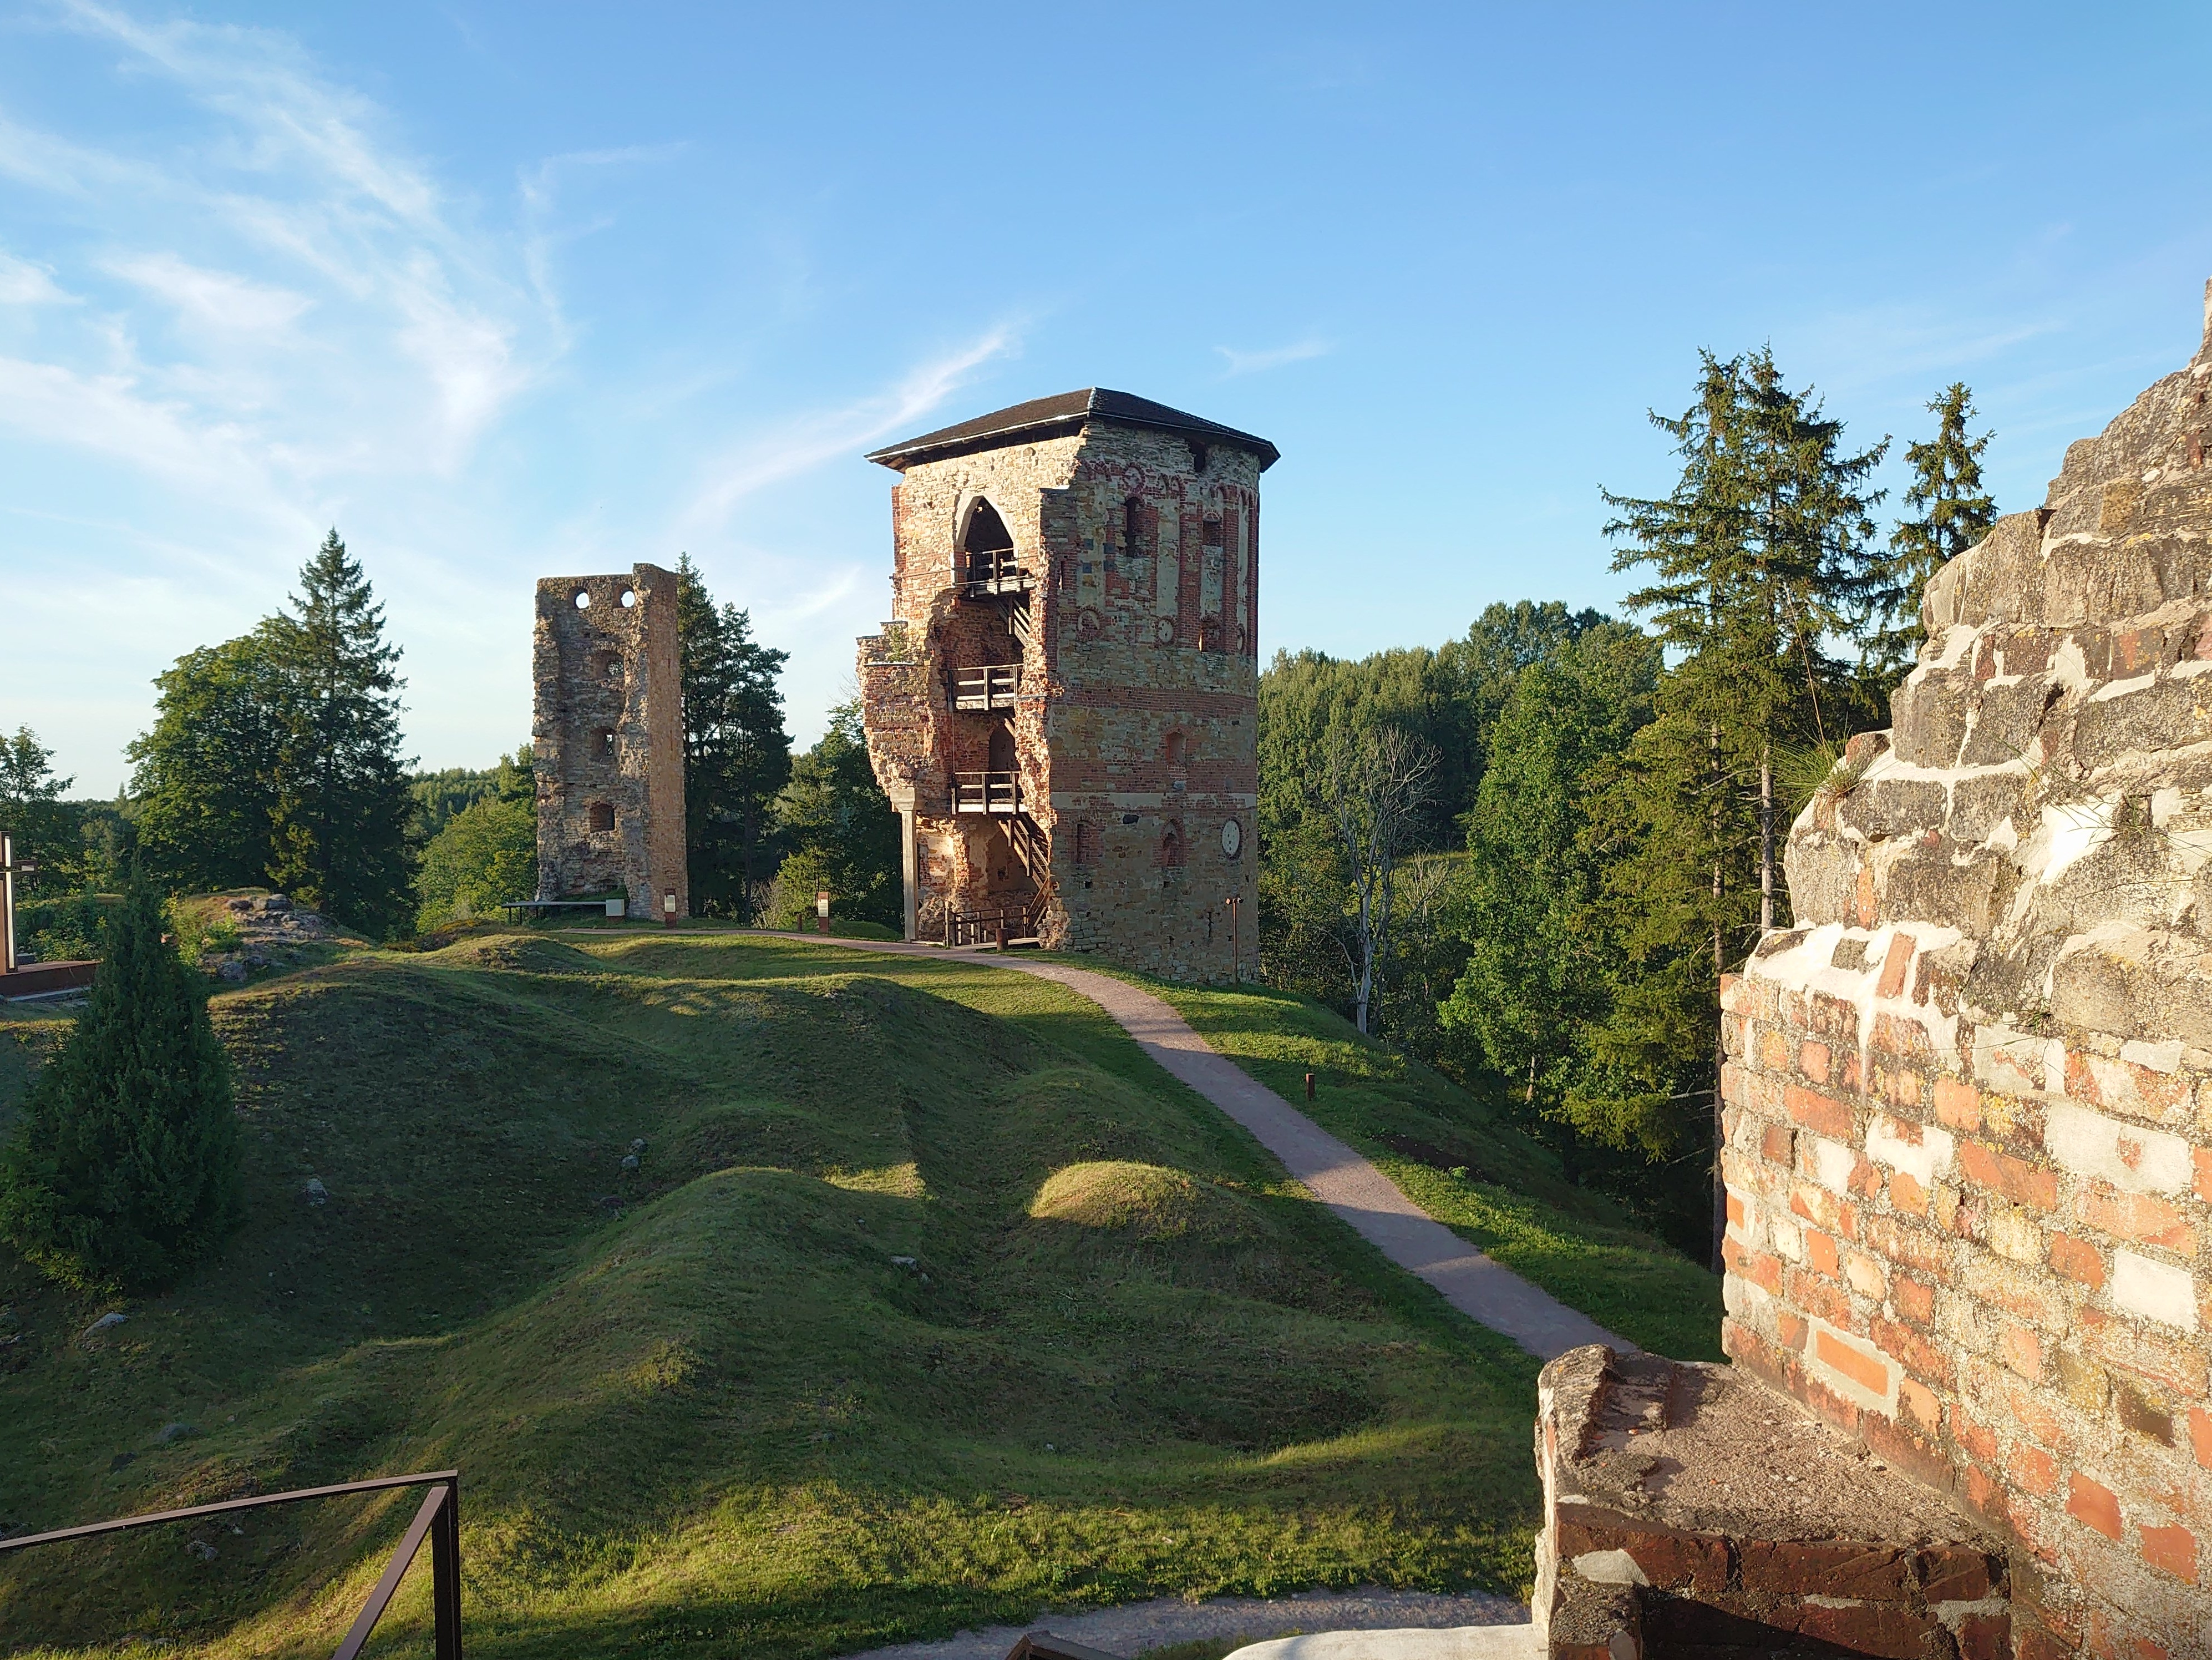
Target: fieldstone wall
{"x":1969,"y":1121}
{"x":1135,"y":730}
{"x":607,"y":734}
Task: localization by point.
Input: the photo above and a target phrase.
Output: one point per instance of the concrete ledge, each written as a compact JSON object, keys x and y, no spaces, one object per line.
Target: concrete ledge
{"x":1456,"y":1643}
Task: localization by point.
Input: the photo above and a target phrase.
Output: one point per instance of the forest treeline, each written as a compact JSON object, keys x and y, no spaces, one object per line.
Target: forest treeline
{"x":274,"y":760}
{"x":1526,"y":856}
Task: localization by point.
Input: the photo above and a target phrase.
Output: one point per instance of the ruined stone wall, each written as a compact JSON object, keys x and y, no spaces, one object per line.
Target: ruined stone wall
{"x":1969,"y":1121}
{"x":1139,"y":642}
{"x":607,"y":734}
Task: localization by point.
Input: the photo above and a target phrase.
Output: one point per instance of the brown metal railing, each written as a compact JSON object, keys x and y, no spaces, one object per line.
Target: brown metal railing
{"x":986,"y":792}
{"x":994,"y":925}
{"x":439,"y":1519}
{"x":991,"y":687}
{"x":997,"y":570}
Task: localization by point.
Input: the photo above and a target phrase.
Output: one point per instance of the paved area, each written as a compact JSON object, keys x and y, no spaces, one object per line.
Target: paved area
{"x":1460,"y":1643}
{"x":1481,"y":1289}
{"x":1407,"y":1617}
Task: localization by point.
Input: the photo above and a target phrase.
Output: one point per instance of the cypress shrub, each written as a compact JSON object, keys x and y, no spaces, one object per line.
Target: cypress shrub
{"x":123,"y":1170}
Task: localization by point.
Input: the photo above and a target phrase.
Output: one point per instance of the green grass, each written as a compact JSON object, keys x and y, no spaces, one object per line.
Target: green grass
{"x":1458,"y":1161}
{"x":700,"y":1407}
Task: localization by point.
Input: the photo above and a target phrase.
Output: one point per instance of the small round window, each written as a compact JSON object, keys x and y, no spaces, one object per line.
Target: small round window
{"x":583,"y":599}
{"x":629,"y":598}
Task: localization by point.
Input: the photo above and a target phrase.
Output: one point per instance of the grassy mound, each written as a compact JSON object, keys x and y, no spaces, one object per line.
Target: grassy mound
{"x":1146,"y":1201}
{"x":927,"y":1300}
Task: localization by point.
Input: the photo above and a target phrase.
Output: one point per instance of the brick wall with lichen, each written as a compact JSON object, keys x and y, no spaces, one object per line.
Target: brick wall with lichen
{"x":607,"y":738}
{"x":1135,"y":728}
{"x":1969,"y":1093}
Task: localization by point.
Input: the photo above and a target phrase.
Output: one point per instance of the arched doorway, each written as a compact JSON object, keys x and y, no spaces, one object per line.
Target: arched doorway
{"x":987,"y":547}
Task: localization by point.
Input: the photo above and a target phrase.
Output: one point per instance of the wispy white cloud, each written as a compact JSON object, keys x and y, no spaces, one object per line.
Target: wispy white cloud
{"x":1894,"y":343}
{"x":800,"y":445}
{"x":1274,"y":357}
{"x":22,"y":284}
{"x":430,"y":325}
{"x":218,"y":300}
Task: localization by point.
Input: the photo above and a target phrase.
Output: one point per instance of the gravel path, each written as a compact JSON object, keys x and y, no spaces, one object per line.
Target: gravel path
{"x":1475,"y":1285}
{"x":1135,"y":1627}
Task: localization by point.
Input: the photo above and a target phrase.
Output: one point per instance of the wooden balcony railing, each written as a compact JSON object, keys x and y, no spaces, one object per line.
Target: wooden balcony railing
{"x":1009,"y":921}
{"x":998,"y":570}
{"x":991,"y":687}
{"x":986,"y":792}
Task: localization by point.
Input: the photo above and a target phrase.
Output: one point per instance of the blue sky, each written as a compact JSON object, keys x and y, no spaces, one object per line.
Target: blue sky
{"x":506,"y":291}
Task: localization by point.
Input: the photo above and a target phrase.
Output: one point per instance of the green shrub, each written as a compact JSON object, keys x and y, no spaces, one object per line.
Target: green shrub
{"x":72,"y":925}
{"x":486,"y":854}
{"x":123,"y":1170}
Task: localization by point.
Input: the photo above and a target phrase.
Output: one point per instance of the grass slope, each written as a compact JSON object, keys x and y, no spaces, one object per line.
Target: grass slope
{"x":1454,"y":1157}
{"x":703,"y":1406}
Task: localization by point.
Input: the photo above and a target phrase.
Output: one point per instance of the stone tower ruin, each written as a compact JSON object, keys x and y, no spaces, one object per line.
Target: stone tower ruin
{"x":1063,"y":707}
{"x":1968,"y":1146}
{"x":608,"y":736}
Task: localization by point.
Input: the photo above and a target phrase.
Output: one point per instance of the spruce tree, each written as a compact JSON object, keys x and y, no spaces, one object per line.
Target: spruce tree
{"x":1758,"y":554}
{"x":1951,"y":512}
{"x":737,"y":754}
{"x":123,"y":1170}
{"x":343,"y":803}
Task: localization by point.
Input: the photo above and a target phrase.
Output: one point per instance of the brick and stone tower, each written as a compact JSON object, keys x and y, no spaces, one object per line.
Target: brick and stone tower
{"x":1064,"y":705}
{"x":608,"y":736}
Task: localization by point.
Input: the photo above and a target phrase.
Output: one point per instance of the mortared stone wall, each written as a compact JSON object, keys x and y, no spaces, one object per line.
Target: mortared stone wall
{"x":1969,"y":1093}
{"x":607,"y":736}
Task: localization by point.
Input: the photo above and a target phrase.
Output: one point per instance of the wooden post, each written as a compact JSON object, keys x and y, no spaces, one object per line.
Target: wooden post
{"x":7,"y":904}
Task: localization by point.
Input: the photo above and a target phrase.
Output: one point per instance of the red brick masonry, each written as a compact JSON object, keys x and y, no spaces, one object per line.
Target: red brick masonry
{"x":1690,"y":1511}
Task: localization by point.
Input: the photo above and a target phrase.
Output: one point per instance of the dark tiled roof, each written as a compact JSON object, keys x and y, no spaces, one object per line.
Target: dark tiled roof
{"x":1042,"y":416}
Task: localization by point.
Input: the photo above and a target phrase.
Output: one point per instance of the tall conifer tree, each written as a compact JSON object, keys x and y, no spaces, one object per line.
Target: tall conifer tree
{"x":1950,"y":512}
{"x":342,"y":802}
{"x":1758,"y":555}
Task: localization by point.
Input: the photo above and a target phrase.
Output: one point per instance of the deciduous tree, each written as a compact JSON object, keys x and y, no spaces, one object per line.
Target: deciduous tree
{"x":1372,"y":788}
{"x":45,"y":829}
{"x":841,"y":830}
{"x":737,"y":754}
{"x":206,"y":776}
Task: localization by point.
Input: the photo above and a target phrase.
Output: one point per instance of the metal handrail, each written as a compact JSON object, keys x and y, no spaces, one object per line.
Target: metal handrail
{"x":439,"y":1518}
{"x":986,"y":792}
{"x":989,"y":686}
